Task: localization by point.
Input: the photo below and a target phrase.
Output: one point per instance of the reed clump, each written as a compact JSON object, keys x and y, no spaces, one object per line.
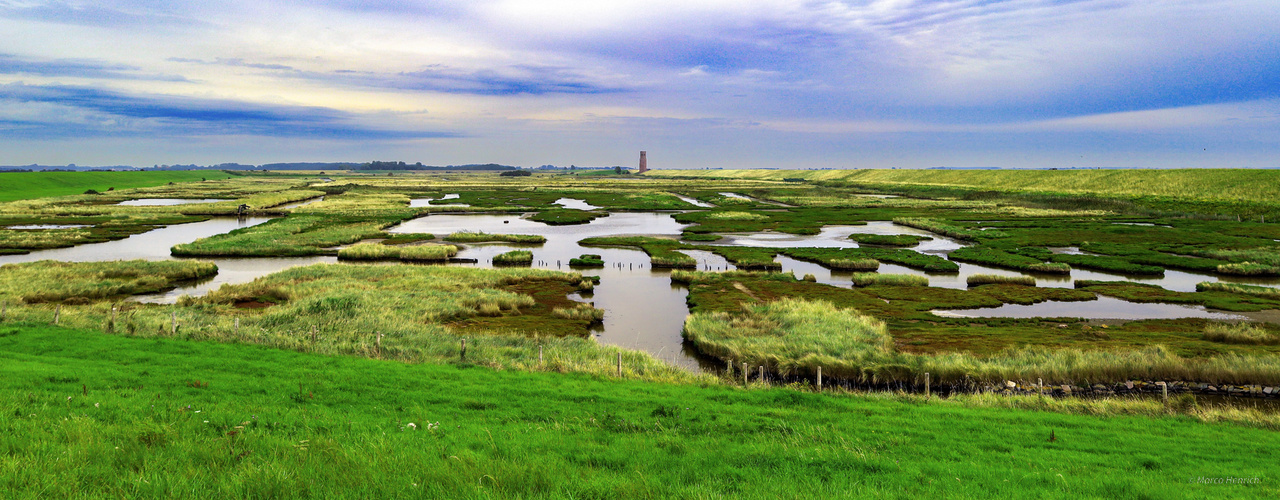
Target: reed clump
{"x":1240,"y":333}
{"x":1249,"y":269}
{"x":854,"y":264}
{"x":409,"y":253}
{"x":997,"y":279}
{"x":870,"y":279}
{"x":587,"y":260}
{"x":736,"y":216}
{"x":945,"y":229}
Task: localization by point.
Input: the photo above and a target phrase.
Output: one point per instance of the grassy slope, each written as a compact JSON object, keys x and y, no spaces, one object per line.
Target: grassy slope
{"x":160,"y":419}
{"x":1261,"y":186}
{"x":29,"y":185}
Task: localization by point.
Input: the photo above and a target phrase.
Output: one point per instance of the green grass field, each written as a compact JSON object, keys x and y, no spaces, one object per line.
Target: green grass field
{"x":88,"y":415}
{"x":30,"y":185}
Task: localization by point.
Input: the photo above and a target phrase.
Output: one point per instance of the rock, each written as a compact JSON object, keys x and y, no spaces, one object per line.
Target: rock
{"x":1128,"y":384}
{"x":1010,"y":384}
{"x":1269,"y":390}
{"x":1211,"y":389}
{"x":1066,"y":389}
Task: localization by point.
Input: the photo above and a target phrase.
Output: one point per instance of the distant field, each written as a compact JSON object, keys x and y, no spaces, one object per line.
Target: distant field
{"x":28,"y":185}
{"x":1231,"y":185}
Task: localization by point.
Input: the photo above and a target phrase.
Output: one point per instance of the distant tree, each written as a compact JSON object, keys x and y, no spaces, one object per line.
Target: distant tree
{"x":515,"y":173}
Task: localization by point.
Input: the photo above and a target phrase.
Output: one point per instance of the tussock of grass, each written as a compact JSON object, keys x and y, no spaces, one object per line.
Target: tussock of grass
{"x":480,"y":237}
{"x":736,"y":216}
{"x":1219,"y":286}
{"x":992,"y":279}
{"x":854,"y":264}
{"x":513,"y":258}
{"x":53,"y":281}
{"x":377,"y":251}
{"x":585,"y":312}
{"x":889,"y":240}
{"x":1249,"y":269}
{"x":869,"y":279}
{"x":587,"y":260}
{"x":1240,"y":333}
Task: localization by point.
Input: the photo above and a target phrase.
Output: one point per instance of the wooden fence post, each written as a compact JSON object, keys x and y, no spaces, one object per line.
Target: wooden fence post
{"x":313,"y":333}
{"x":819,"y":378}
{"x":57,"y":313}
{"x":378,"y":340}
{"x":926,"y":385}
{"x":762,"y":373}
{"x":463,"y":352}
{"x":619,"y":365}
{"x":539,"y":354}
{"x":1040,"y":387}
{"x":744,"y":373}
{"x":173,"y":322}
{"x":1164,"y":391}
{"x":236,"y":331}
{"x":113,"y":320}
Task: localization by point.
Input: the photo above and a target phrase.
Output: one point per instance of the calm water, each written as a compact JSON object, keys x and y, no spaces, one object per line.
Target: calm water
{"x":575,"y":204}
{"x":49,"y":226}
{"x":426,"y":202}
{"x":1102,"y":308}
{"x":151,"y":245}
{"x":692,"y":201}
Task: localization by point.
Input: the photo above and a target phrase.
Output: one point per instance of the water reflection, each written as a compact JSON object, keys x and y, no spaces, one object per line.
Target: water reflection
{"x":1102,"y":308}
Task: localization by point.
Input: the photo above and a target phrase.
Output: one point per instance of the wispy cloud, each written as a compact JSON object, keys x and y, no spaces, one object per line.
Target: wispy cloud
{"x":78,"y":68}
{"x":105,"y":112}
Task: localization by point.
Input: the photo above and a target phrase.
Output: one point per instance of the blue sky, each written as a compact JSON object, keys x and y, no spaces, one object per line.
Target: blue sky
{"x":771,"y":83}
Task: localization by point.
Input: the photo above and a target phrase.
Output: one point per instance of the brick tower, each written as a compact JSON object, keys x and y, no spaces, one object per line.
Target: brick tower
{"x":644,"y":163}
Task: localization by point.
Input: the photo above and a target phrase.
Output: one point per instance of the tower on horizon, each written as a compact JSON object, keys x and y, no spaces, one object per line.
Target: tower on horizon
{"x":644,"y":163}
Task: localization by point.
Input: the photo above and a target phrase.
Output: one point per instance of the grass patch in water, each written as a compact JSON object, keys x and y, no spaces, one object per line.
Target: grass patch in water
{"x":565,"y":217}
{"x":587,"y":260}
{"x":81,"y":282}
{"x":412,"y":253}
{"x":989,"y":279}
{"x":873,"y":279}
{"x":889,"y":240}
{"x":1219,"y":286}
{"x":1001,"y":258}
{"x":515,"y":258}
{"x":482,"y":237}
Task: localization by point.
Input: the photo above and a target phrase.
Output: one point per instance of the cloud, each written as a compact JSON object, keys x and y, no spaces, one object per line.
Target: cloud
{"x":143,"y":13}
{"x":78,"y":68}
{"x":500,"y":81}
{"x":68,"y":111}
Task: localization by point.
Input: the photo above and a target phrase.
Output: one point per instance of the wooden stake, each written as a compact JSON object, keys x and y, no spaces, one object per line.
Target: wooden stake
{"x":57,"y":313}
{"x":1164,"y":391}
{"x":762,"y":373}
{"x":313,"y":334}
{"x":619,"y":364}
{"x":744,"y":372}
{"x":819,"y":378}
{"x":926,"y":385}
{"x":236,"y":331}
{"x":1040,"y":386}
{"x":173,"y":322}
{"x":539,"y":355}
{"x":463,"y":353}
{"x":378,"y":340}
{"x":113,"y":319}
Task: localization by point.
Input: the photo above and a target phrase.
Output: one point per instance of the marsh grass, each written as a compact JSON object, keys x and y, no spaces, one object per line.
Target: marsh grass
{"x":795,"y":336}
{"x":1001,"y":258}
{"x":889,"y":240}
{"x":53,"y":281}
{"x":998,"y":279}
{"x":870,"y":279}
{"x":482,"y":237}
{"x":1240,"y":333}
{"x":587,"y":260}
{"x":585,"y":312}
{"x":731,"y":215}
{"x":949,"y":230}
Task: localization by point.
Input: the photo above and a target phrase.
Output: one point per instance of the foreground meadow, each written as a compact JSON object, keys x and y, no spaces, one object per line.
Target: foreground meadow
{"x":93,"y":415}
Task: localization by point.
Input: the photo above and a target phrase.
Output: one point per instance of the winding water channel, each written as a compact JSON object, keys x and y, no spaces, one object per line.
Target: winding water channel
{"x":644,"y":309}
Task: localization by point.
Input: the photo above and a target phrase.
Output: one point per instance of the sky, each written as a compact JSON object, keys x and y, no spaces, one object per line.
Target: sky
{"x":696,"y":83}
